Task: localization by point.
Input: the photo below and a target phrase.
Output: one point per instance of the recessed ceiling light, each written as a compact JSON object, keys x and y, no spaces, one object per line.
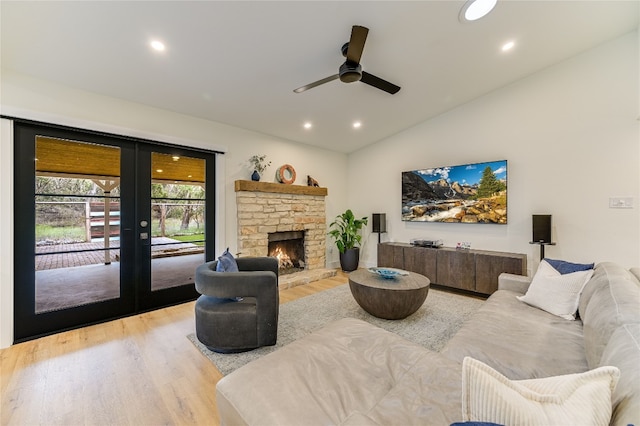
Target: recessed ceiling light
{"x":476,"y":9}
{"x":175,"y":158}
{"x":307,"y":125}
{"x":157,"y":45}
{"x":357,"y":124}
{"x":508,"y":45}
{"x":159,"y":170}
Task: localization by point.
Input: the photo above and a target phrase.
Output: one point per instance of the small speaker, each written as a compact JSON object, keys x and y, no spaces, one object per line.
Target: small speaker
{"x":379,"y":222}
{"x":541,"y":228}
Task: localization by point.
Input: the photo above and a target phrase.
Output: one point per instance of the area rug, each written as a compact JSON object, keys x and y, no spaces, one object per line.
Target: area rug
{"x":431,"y":326}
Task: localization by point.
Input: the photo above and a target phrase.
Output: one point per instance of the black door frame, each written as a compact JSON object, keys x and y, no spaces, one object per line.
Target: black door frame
{"x":147,"y":299}
{"x":133,"y":297}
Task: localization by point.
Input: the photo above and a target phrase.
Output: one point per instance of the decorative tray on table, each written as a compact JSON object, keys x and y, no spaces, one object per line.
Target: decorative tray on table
{"x":388,"y":273}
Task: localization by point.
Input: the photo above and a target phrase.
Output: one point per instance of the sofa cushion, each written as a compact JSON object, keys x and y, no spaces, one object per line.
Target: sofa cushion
{"x":623,"y":351}
{"x":554,"y":292}
{"x":610,"y":299}
{"x":348,"y":372}
{"x":474,"y":424}
{"x":583,"y":398}
{"x":510,"y":335}
{"x":428,"y":395}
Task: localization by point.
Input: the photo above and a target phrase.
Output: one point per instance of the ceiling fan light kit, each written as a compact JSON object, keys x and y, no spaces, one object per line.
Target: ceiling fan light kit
{"x":351,"y":70}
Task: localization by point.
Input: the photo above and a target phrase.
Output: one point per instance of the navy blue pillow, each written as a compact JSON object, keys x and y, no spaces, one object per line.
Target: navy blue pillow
{"x":568,"y":267}
{"x":474,"y":424}
{"x":226,"y":262}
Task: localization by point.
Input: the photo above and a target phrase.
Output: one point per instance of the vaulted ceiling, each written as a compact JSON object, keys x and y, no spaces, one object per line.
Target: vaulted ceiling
{"x":237,"y":62}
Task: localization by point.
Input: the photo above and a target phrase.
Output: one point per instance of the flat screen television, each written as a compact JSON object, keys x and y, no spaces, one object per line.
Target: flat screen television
{"x":469,"y":193}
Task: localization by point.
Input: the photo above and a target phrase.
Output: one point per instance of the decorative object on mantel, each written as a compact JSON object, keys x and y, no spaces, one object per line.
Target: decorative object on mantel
{"x":312,"y":182}
{"x":259,"y":164}
{"x":286,"y":174}
{"x":346,"y":232}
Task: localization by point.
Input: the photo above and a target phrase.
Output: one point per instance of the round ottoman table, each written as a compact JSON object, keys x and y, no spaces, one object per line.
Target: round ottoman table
{"x":394,"y":298}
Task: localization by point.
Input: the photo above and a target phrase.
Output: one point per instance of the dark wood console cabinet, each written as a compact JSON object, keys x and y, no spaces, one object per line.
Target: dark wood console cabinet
{"x":471,"y":270}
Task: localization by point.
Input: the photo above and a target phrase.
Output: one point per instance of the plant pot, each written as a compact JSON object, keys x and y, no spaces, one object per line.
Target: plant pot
{"x":255,"y":176}
{"x":349,"y":259}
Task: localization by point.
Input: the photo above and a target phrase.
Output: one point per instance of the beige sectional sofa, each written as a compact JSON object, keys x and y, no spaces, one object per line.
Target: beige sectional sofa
{"x":352,"y":373}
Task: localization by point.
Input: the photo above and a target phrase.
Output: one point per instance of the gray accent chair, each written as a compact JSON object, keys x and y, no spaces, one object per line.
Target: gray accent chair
{"x":238,"y":311}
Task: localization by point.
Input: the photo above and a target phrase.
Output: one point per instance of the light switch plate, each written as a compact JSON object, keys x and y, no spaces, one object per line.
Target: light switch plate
{"x":621,"y":202}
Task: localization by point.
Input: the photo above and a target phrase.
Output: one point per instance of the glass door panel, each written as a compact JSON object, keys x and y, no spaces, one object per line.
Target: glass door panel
{"x":77,"y":223}
{"x":105,"y":226}
{"x":177,"y":219}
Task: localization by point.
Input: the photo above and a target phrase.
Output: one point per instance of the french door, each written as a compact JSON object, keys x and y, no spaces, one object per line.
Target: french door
{"x":105,"y":226}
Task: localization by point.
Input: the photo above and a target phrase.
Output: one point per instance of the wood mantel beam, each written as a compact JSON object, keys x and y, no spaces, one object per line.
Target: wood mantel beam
{"x":254,"y":186}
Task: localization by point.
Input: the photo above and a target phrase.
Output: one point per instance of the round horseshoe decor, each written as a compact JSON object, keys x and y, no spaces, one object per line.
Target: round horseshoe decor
{"x":286,"y":174}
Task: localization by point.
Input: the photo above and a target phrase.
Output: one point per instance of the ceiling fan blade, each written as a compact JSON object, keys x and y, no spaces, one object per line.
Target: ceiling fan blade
{"x":316,"y":83}
{"x":356,"y":43}
{"x":379,"y":83}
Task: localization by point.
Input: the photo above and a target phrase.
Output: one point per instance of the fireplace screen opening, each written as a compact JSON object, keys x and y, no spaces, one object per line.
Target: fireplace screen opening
{"x":288,"y":248}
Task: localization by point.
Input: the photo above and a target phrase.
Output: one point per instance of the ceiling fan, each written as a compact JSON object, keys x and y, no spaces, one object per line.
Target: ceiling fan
{"x":351,"y":70}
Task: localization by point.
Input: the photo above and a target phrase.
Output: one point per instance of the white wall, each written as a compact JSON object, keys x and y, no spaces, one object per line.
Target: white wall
{"x":25,"y":97}
{"x":571,"y":137}
{"x":6,"y":234}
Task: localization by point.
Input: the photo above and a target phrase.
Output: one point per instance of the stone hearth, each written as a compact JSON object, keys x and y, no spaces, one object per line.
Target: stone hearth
{"x":265,"y":207}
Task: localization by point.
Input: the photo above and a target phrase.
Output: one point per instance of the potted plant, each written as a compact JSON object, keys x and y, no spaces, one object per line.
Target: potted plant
{"x":346,"y":233}
{"x":259,"y":164}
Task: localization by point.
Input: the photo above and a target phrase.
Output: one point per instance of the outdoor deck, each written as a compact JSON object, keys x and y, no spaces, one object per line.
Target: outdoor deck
{"x":76,"y":277}
{"x":75,"y":256}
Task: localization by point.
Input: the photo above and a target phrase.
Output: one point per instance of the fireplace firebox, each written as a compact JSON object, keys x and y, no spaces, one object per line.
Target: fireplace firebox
{"x":288,"y":248}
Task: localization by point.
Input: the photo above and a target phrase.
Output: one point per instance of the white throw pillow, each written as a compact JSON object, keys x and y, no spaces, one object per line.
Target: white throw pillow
{"x":572,"y":399}
{"x":556,"y":293}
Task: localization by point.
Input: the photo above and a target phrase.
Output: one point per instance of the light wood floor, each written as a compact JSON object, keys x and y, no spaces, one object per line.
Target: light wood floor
{"x":140,"y":370}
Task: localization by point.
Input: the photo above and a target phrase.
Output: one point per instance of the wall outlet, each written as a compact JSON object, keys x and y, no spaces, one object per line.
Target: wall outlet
{"x":621,"y":202}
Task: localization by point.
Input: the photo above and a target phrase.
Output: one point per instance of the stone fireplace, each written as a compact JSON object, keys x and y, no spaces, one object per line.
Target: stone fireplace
{"x":270,"y":213}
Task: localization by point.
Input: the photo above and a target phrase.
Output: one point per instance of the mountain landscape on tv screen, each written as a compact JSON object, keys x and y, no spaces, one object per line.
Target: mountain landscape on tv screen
{"x":471,"y":193}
